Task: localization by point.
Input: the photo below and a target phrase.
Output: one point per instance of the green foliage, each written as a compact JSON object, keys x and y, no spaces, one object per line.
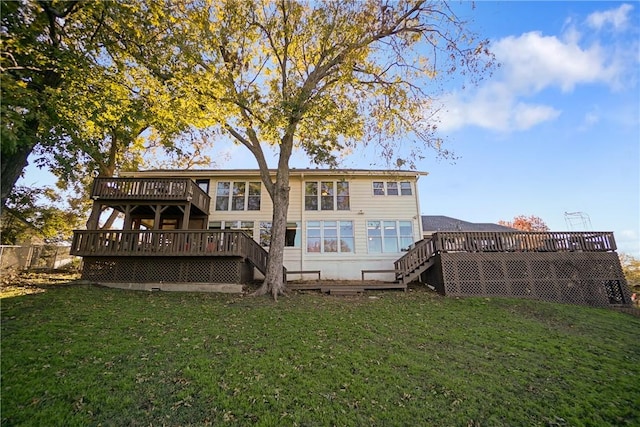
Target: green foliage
{"x":30,"y":214}
{"x":86,"y":355}
{"x":631,"y":269}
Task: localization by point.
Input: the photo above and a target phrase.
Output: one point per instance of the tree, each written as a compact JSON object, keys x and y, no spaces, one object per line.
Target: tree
{"x":631,"y":269}
{"x":321,"y":77}
{"x":70,"y":96}
{"x":32,"y":214}
{"x":526,"y":223}
{"x":42,"y":43}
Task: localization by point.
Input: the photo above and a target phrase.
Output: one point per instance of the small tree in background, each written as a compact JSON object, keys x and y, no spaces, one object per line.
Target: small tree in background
{"x":631,"y":270}
{"x":526,"y":223}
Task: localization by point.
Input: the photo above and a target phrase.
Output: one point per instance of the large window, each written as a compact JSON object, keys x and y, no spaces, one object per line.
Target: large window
{"x":389,"y":236}
{"x":326,"y":196}
{"x":246,"y":226}
{"x":238,"y":196}
{"x":292,"y":237}
{"x":392,"y":188}
{"x":330,"y":236}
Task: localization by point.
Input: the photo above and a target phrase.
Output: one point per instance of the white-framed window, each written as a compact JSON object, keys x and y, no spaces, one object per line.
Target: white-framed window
{"x":392,"y":188}
{"x":330,"y":236}
{"x":326,"y":195}
{"x":389,"y":236}
{"x":238,"y":196}
{"x":292,"y":237}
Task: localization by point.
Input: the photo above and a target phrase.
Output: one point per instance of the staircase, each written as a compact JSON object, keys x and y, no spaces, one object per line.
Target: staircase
{"x":415,"y":262}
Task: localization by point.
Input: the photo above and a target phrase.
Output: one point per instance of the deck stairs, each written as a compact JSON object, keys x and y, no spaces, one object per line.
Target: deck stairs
{"x":416,"y":261}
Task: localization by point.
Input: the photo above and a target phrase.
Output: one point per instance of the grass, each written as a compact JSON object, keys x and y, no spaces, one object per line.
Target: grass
{"x":84,"y":355}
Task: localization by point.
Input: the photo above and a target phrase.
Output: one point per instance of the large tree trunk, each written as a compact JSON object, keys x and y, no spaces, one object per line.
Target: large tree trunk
{"x":12,"y":166}
{"x":275,"y":282}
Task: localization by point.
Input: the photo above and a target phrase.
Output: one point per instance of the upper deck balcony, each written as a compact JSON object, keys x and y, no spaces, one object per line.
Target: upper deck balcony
{"x":150,"y":189}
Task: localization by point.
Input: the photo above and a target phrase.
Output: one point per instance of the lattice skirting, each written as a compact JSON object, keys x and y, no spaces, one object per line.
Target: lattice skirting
{"x":165,"y":269}
{"x":589,"y":278}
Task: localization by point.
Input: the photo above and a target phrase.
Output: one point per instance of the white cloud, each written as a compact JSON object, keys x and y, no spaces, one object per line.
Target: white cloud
{"x":617,"y":18}
{"x":533,"y":62}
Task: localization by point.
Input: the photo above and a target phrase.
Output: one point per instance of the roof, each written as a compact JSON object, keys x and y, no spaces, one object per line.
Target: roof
{"x":433,"y":223}
{"x":293,"y":172}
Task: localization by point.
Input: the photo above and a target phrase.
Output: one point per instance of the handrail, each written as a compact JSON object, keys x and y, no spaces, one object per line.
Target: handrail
{"x":169,"y":243}
{"x":150,"y":189}
{"x":415,"y":257}
{"x":520,"y":241}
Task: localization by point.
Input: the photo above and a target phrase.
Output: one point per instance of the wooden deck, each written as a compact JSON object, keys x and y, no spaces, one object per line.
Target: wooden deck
{"x":168,"y":243}
{"x":150,"y":189}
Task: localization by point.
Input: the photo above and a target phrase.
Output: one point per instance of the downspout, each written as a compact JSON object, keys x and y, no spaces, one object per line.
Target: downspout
{"x":419,"y":217}
{"x":303,"y":236}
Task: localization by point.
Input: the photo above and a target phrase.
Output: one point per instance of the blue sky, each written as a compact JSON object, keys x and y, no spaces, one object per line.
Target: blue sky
{"x":555,"y":129}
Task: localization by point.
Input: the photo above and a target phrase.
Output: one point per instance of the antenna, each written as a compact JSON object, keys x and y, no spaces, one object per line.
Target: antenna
{"x":577,"y":221}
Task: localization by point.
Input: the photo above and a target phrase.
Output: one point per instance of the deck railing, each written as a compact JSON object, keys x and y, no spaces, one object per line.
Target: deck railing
{"x":421,"y":252}
{"x":524,"y":241}
{"x":180,"y":189}
{"x":174,"y":243}
{"x":469,"y":241}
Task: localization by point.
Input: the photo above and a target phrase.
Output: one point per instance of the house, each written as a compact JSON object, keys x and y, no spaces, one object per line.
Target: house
{"x":211,"y":229}
{"x":339,"y":222}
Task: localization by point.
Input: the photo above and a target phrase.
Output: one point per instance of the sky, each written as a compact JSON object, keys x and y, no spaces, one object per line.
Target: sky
{"x":554,"y":130}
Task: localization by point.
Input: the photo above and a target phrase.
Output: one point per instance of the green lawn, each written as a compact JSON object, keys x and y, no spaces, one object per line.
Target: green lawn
{"x":84,"y":355}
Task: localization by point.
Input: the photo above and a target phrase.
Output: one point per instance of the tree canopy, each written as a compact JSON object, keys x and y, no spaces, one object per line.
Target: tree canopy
{"x":526,"y":223}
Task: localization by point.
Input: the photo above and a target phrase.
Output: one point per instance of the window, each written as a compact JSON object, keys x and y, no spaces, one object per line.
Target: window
{"x":342,"y":197}
{"x":238,"y":196}
{"x":330,"y":236}
{"x":253,"y":203}
{"x":203,"y":184}
{"x":326,"y":195}
{"x":389,"y":236}
{"x":392,"y":188}
{"x":311,"y":196}
{"x":222,"y":196}
{"x":292,"y":237}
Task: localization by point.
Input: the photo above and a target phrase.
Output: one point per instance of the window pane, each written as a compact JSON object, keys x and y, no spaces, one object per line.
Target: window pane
{"x":391,"y":244}
{"x":342,"y":200}
{"x":238,"y":196}
{"x":346,"y":229}
{"x":374,"y":237}
{"x":378,"y":188}
{"x":222,"y":203}
{"x":405,"y":188}
{"x":392,"y":188}
{"x":311,"y":196}
{"x":222,"y":196}
{"x":253,"y":202}
{"x":347,"y":244}
{"x":390,"y":229}
{"x":313,"y":236}
{"x":326,"y":196}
